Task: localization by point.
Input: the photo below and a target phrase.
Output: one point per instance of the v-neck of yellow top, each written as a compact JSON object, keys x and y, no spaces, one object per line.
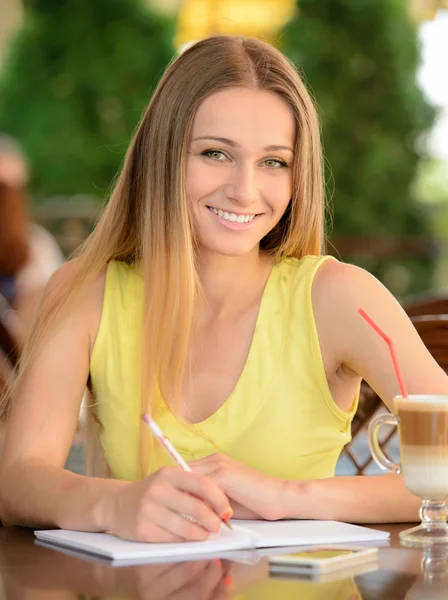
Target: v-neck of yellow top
{"x":242,"y":402}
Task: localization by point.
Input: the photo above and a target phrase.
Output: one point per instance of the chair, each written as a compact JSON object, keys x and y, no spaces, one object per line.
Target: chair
{"x":429,"y":304}
{"x":369,"y":403}
{"x":433,"y":329}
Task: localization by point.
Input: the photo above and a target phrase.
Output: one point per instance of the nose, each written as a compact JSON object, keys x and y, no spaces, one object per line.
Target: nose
{"x":242,"y":186}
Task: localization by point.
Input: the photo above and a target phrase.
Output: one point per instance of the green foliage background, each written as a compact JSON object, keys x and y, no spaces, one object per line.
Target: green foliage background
{"x":80,"y":73}
{"x":359,"y":58}
{"x":78,"y":76}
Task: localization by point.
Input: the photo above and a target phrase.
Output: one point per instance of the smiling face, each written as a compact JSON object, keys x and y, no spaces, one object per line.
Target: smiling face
{"x":239,"y":168}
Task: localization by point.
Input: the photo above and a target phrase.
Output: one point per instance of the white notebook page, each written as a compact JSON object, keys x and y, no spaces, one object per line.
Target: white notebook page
{"x":104,"y":544}
{"x":245,"y":535}
{"x":295,"y":532}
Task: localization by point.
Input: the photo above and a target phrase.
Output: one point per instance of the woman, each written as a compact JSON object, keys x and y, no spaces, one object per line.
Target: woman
{"x":203,"y":296}
{"x":29,"y":255}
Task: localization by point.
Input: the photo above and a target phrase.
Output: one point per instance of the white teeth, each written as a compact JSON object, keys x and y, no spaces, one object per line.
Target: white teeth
{"x":232,"y":217}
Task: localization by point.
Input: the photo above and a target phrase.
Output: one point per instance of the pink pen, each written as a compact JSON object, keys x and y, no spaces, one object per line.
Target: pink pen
{"x":165,"y":442}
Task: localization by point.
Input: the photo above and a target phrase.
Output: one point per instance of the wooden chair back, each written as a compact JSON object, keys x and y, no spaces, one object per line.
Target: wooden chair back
{"x":427,"y":305}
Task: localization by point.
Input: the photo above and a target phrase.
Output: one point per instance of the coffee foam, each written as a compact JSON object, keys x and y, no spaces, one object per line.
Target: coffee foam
{"x":423,"y":403}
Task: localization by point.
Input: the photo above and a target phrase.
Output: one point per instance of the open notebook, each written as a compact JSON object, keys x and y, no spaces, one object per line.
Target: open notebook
{"x":245,"y":535}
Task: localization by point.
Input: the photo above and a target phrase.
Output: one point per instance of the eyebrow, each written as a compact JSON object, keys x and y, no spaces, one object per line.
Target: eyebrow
{"x":233,"y":144}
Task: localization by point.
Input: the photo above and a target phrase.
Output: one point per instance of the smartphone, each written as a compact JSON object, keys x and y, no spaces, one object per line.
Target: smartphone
{"x":321,"y":559}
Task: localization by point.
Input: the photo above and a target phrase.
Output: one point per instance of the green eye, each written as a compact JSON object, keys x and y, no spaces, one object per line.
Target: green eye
{"x":274,"y":163}
{"x":214,"y":154}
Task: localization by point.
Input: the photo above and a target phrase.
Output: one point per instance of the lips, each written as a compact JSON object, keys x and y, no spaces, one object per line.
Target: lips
{"x":234,"y":221}
{"x":232,"y":217}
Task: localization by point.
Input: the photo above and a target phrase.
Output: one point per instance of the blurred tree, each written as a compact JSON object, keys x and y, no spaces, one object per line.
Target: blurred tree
{"x":432,"y":182}
{"x":360,"y":60}
{"x":431,"y":187}
{"x":75,"y":83}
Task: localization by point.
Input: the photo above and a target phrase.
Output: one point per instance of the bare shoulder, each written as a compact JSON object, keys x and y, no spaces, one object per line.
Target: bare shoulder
{"x":68,"y":276}
{"x":338,"y":292}
{"x":334,"y":275}
{"x":53,"y":380}
{"x":339,"y":287}
{"x":85,"y":300}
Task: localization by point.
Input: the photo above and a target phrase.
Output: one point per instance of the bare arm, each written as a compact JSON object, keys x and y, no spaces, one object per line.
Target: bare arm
{"x":346,"y":339}
{"x":35,"y":488}
{"x":356,"y":499}
{"x":42,"y":426}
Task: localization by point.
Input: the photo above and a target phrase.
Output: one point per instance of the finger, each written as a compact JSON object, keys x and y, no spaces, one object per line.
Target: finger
{"x":204,"y":461}
{"x":223,"y":591}
{"x":215,"y":471}
{"x":220,"y":587}
{"x":202,"y":487}
{"x":203,"y":467}
{"x":175,"y":524}
{"x":153,"y":530}
{"x":187,"y":504}
{"x":176,"y":578}
{"x":139,"y":579}
{"x":241,"y":512}
{"x":201,"y":588}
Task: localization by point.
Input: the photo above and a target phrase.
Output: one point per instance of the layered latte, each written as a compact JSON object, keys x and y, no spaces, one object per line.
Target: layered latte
{"x":423,"y":430}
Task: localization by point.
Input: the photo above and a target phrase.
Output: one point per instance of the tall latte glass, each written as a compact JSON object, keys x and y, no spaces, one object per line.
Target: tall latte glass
{"x":422,"y":422}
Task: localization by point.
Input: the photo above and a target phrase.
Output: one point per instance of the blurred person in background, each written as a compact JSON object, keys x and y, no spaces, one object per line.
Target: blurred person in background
{"x":29,"y":254}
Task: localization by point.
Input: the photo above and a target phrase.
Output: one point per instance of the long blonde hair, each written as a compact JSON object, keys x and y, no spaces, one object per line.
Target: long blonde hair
{"x":147,"y":219}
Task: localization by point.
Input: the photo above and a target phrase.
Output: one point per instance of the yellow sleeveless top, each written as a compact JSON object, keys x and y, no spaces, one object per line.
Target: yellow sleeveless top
{"x":280,"y":417}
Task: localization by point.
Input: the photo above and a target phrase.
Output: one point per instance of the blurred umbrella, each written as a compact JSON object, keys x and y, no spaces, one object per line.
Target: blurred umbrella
{"x":200,"y":18}
{"x":425,"y":10}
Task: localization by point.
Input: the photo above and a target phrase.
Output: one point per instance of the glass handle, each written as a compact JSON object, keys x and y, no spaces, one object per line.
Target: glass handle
{"x":377,"y":454}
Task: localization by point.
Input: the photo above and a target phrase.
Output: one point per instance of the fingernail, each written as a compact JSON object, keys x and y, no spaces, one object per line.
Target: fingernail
{"x":228,"y":581}
{"x":227,"y":515}
{"x":218,"y":562}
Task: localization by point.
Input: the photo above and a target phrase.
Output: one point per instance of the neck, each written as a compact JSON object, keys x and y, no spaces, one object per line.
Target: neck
{"x":230,"y":283}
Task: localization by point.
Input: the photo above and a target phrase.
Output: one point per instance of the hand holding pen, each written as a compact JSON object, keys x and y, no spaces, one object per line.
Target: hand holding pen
{"x":153,"y":508}
{"x":171,"y":450}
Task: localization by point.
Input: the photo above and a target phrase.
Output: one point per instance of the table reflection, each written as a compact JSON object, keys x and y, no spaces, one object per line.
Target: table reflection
{"x":432,"y":582}
{"x":31,"y":572}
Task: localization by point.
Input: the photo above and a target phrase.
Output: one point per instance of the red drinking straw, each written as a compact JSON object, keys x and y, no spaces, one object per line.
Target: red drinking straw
{"x":389,"y":342}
